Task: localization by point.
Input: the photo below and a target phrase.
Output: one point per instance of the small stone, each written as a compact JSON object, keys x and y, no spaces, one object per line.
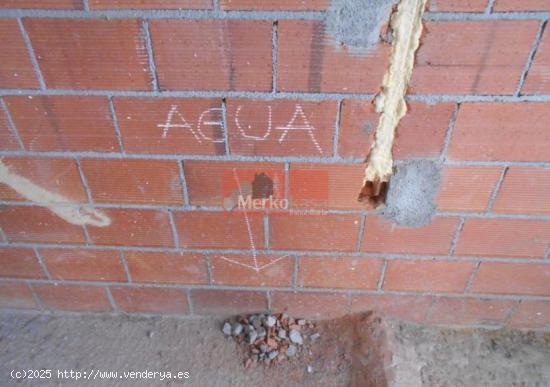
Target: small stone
{"x":284,"y":316}
{"x":309,"y":369}
{"x":296,"y":337}
{"x":263,"y":348}
{"x":247,"y":363}
{"x":252,"y":336}
{"x":237,"y":329}
{"x":226,"y":329}
{"x":314,"y":336}
{"x":261,"y":332}
{"x":273,"y":354}
{"x":301,"y":322}
{"x":291,"y":351}
{"x":281,"y":333}
{"x":271,"y":321}
{"x":150,"y":334}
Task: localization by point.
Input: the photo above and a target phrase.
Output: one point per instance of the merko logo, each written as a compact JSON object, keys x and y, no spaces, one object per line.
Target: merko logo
{"x":264,"y":192}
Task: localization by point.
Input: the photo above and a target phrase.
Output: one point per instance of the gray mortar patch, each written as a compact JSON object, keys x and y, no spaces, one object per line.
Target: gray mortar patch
{"x":412,"y":192}
{"x":357,"y":23}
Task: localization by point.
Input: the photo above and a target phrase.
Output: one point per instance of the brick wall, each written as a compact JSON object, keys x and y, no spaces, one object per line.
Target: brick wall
{"x":143,"y":119}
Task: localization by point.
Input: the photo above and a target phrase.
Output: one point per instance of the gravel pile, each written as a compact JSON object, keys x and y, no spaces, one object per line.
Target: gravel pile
{"x":270,"y":338}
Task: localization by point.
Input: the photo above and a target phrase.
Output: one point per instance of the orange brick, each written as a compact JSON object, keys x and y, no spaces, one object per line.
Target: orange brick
{"x":16,"y":295}
{"x":8,"y":139}
{"x":150,"y":4}
{"x":239,"y":270}
{"x":313,"y":232}
{"x":410,"y":308}
{"x":382,"y":235}
{"x":500,"y":138}
{"x":538,"y":80}
{"x":182,"y":268}
{"x":16,"y":68}
{"x":84,"y":265}
{"x":46,"y":4}
{"x":219,"y":230}
{"x":512,"y":278}
{"x":523,"y":5}
{"x":145,"y":125}
{"x":339,"y":272}
{"x":514,"y":238}
{"x":281,"y":127}
{"x":151,"y":300}
{"x":531,"y":314}
{"x":133,"y":181}
{"x":447,"y":310}
{"x":64,"y":123}
{"x":275,"y":5}
{"x":467,"y":188}
{"x":133,"y":227}
{"x":326,"y":186}
{"x":58,"y":176}
{"x":457,"y":5}
{"x":91,"y":54}
{"x":212,"y":54}
{"x":309,"y":60}
{"x":427,"y":275}
{"x":472,"y":57}
{"x":73,"y":297}
{"x":19,"y":263}
{"x":214,"y":183}
{"x":421,"y":133}
{"x":312,"y":305}
{"x":524,"y":191}
{"x":38,"y":224}
{"x":227,"y":302}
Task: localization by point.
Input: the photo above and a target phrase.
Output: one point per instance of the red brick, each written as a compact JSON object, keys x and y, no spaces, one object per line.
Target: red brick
{"x":84,"y":265}
{"x":427,"y":275}
{"x":511,"y":132}
{"x":8,"y":139}
{"x":91,"y":54}
{"x":308,"y":60}
{"x":227,"y":302}
{"x":45,"y":4}
{"x":64,"y":123}
{"x":143,"y":125}
{"x":514,"y":238}
{"x":38,"y":224}
{"x":313,"y":232}
{"x":382,"y":235}
{"x":457,"y":5}
{"x":16,"y":70}
{"x":58,"y":176}
{"x":16,"y":295}
{"x":239,"y":270}
{"x":181,"y":268}
{"x":212,"y":54}
{"x":219,"y":230}
{"x":150,"y":4}
{"x":538,"y":79}
{"x":531,"y":314}
{"x":212,"y":183}
{"x":258,"y":128}
{"x":524,"y":191}
{"x":523,"y":5}
{"x":326,"y":186}
{"x":512,"y":278}
{"x":133,"y":181}
{"x":312,"y":305}
{"x":73,"y":297}
{"x":472,"y":57}
{"x":410,"y":308}
{"x":339,"y":272}
{"x":421,"y":133}
{"x":447,"y":310}
{"x":19,"y":263}
{"x":133,"y":227}
{"x":151,"y":300}
{"x":275,"y":5}
{"x":467,"y":188}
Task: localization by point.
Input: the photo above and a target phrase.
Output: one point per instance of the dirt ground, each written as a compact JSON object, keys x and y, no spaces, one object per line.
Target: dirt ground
{"x":359,"y":350}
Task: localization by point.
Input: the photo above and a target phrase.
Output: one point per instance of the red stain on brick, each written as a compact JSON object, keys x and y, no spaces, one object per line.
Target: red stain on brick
{"x":150,"y":4}
{"x":523,"y":5}
{"x":227,"y":302}
{"x":19,"y":263}
{"x":457,"y":5}
{"x":512,"y":278}
{"x":274,"y":5}
{"x":16,"y":295}
{"x":451,"y":310}
{"x":8,"y":140}
{"x":45,"y":4}
{"x":150,"y":300}
{"x":412,"y":308}
{"x":274,"y":271}
{"x":84,"y":265}
{"x":531,"y":314}
{"x":75,"y":298}
{"x":312,"y":305}
{"x":524,"y":191}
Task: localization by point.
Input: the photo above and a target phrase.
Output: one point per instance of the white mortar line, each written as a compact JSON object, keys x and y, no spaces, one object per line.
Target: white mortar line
{"x":473,"y":275}
{"x":150,"y":55}
{"x":175,"y":236}
{"x":380,"y":284}
{"x":11,"y":124}
{"x":456,"y":237}
{"x":116,"y":125}
{"x":274,"y":47}
{"x":490,"y":6}
{"x":496,"y":189}
{"x":32,"y":55}
{"x":42,"y":263}
{"x":124,"y":263}
{"x":531,"y":57}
